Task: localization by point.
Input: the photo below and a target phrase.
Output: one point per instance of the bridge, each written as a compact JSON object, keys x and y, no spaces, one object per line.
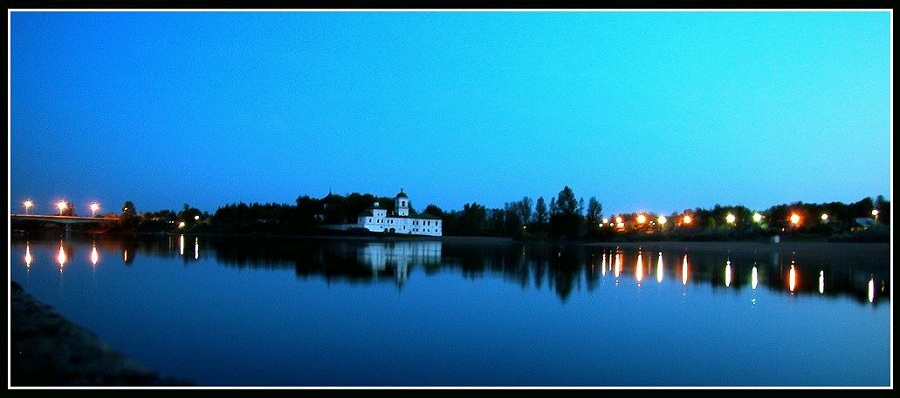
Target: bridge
{"x":65,"y":220}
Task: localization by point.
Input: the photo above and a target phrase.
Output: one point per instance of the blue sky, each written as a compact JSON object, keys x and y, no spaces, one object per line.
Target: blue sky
{"x":647,"y":111}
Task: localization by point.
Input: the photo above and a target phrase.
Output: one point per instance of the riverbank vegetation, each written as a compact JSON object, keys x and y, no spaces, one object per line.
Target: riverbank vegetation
{"x":564,"y":217}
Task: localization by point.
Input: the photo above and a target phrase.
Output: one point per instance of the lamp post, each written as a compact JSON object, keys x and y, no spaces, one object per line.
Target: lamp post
{"x":94,"y":207}
{"x":61,"y":205}
{"x":28,"y":204}
{"x":875,"y":214}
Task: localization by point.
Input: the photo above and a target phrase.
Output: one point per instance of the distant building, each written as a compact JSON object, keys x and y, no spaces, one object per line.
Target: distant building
{"x":377,"y":219}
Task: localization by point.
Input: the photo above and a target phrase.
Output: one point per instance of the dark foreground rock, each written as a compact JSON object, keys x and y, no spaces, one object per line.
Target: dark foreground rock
{"x":49,"y":350}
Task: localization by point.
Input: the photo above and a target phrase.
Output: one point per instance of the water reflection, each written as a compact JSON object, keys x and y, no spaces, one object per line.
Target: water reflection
{"x":659,"y":268}
{"x":639,"y":268}
{"x":792,"y":278}
{"x":61,"y":257}
{"x":562,"y":268}
{"x":95,"y":256}
{"x":618,"y":269}
{"x":602,"y":265}
{"x":28,"y":258}
{"x":398,"y":257}
{"x":754,"y":278}
{"x":821,"y":282}
{"x":872,"y":290}
{"x":727,"y":273}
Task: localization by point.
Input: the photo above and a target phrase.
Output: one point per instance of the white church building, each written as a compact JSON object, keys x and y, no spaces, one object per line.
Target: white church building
{"x":377,"y":219}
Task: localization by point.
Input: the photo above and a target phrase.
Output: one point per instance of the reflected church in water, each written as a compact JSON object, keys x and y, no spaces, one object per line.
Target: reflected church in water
{"x":399,"y":257}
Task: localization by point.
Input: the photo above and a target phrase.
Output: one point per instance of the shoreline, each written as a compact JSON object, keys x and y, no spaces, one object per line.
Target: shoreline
{"x":48,"y":350}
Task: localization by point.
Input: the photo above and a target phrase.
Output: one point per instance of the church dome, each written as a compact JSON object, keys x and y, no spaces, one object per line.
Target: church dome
{"x":401,"y":194}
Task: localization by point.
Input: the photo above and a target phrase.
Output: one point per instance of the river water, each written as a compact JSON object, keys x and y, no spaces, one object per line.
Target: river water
{"x":243,"y":311}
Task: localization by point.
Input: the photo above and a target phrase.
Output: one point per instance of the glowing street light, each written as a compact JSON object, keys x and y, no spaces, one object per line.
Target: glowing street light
{"x":28,"y":204}
{"x":795,"y":219}
{"x":824,"y":217}
{"x":687,"y":219}
{"x":757,"y":217}
{"x":61,"y":205}
{"x":662,"y":220}
{"x":875,"y":214}
{"x":730,"y":218}
{"x":94,"y":207}
{"x":641,"y":218}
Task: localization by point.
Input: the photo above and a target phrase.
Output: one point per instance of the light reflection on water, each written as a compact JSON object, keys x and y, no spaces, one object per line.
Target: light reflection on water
{"x":28,"y":258}
{"x":754,"y":278}
{"x":792,"y":278}
{"x":871,"y":290}
{"x":95,"y":255}
{"x":329,"y":278}
{"x":821,"y":282}
{"x":727,"y":273}
{"x":396,"y":258}
{"x":659,"y":268}
{"x":639,"y":268}
{"x":61,"y":257}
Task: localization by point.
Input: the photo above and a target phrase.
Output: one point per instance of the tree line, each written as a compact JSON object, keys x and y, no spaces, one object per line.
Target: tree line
{"x":564,"y":217}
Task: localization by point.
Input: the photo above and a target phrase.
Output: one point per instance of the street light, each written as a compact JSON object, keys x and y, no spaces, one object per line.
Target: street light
{"x":875,"y":213}
{"x":757,"y":217}
{"x":662,"y":220}
{"x":61,"y":205}
{"x":730,"y":218}
{"x":641,"y":218}
{"x":28,"y":204}
{"x":94,"y":207}
{"x":795,"y":219}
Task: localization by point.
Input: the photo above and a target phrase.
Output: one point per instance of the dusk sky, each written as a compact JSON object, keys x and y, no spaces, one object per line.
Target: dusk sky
{"x":646,"y":111}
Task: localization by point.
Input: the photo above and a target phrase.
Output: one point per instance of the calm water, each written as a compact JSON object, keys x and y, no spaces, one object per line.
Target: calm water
{"x":306,"y":312}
